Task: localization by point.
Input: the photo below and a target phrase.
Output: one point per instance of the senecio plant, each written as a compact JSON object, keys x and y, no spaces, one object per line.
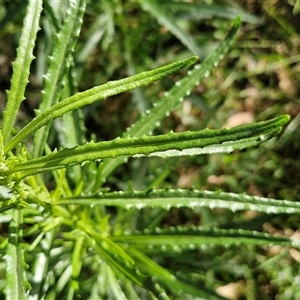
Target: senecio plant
{"x":72,"y":238}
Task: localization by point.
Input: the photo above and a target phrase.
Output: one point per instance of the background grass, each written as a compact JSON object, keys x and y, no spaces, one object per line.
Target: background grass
{"x":258,"y":79}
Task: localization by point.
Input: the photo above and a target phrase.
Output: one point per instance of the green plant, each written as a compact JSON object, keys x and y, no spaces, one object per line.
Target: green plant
{"x":84,"y":239}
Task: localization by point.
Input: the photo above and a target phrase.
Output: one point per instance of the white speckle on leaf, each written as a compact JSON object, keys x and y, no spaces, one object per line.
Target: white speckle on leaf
{"x":192,"y":246}
{"x":262,"y":137}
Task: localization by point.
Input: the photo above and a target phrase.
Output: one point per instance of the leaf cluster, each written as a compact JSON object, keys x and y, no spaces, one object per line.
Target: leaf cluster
{"x":87,"y":233}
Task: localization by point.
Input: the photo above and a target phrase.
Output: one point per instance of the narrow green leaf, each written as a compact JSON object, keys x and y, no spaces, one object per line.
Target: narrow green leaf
{"x":95,"y":94}
{"x":77,"y":262}
{"x":94,"y":35}
{"x":63,"y":279}
{"x":1,"y":147}
{"x":114,"y":255}
{"x":70,"y":127}
{"x":114,"y":285}
{"x":167,"y":145}
{"x":21,"y":66}
{"x":42,"y":266}
{"x":6,"y":207}
{"x":182,"y":238}
{"x":16,"y":282}
{"x":121,"y":269}
{"x":190,"y":198}
{"x":65,"y":41}
{"x":181,"y":89}
{"x":168,"y":280}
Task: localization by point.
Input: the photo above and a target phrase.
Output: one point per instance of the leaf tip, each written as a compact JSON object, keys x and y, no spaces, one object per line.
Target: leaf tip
{"x":237,"y":22}
{"x":283,"y":119}
{"x":192,"y":60}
